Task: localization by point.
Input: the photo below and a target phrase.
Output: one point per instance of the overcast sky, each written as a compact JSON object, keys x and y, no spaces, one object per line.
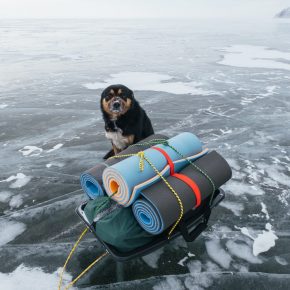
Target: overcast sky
{"x":140,"y":8}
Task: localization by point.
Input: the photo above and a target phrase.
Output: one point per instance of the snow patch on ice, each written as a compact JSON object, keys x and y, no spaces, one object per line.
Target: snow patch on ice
{"x":235,"y":207}
{"x":200,"y":279}
{"x":284,"y":196}
{"x":218,"y":254}
{"x":226,"y":131}
{"x":182,"y":261}
{"x":241,"y":268}
{"x":265,"y":241}
{"x":278,"y":176}
{"x":270,"y":182}
{"x":151,"y":81}
{"x":281,"y":261}
{"x":152,"y":259}
{"x":270,"y":90}
{"x":5,"y":196}
{"x":238,"y":175}
{"x":198,"y":282}
{"x":247,"y":100}
{"x":265,"y":211}
{"x":211,"y":267}
{"x":233,"y":163}
{"x":57,"y":164}
{"x":28,"y":150}
{"x":245,"y":231}
{"x":21,"y":180}
{"x":16,"y":201}
{"x":194,"y":267}
{"x":240,"y":188}
{"x":171,"y":283}
{"x":253,"y":175}
{"x":179,"y":243}
{"x":242,"y":251}
{"x":56,"y":147}
{"x":26,"y":278}
{"x":9,"y":230}
{"x":255,"y":57}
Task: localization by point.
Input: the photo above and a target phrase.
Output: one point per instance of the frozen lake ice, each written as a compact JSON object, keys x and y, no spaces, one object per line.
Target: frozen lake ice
{"x":227,"y":82}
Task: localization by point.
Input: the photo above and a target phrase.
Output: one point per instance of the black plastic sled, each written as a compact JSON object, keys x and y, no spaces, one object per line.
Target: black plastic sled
{"x":190,"y":227}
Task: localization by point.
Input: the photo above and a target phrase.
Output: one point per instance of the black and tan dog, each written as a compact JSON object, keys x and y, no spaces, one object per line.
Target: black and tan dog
{"x":126,"y":122}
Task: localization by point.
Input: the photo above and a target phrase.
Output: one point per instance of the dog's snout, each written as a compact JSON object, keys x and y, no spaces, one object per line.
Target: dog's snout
{"x":116,"y":105}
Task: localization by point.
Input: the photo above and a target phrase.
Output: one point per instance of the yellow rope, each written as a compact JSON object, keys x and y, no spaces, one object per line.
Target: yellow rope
{"x":140,"y":154}
{"x":86,"y":270}
{"x":142,"y":157}
{"x":174,"y":192}
{"x":69,"y":257}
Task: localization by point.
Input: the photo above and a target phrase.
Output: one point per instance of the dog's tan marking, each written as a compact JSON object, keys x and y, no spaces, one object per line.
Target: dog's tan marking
{"x":127,"y":105}
{"x":130,"y":139}
{"x":105,"y":105}
{"x":119,"y":92}
{"x":112,"y":92}
{"x":116,"y":150}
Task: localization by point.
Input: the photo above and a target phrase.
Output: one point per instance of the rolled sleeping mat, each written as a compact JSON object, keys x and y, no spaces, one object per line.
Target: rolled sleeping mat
{"x":157,"y":208}
{"x":91,"y":180}
{"x":125,"y":179}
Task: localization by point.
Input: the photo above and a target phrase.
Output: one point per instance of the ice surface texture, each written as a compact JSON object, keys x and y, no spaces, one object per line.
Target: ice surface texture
{"x":188,"y":76}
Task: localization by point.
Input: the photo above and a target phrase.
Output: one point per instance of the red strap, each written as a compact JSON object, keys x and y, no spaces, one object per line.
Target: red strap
{"x":182,"y":177}
{"x":192,"y":185}
{"x":168,"y":159}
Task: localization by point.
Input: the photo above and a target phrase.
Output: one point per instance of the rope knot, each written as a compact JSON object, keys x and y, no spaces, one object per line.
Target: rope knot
{"x":165,"y":142}
{"x":141,"y":155}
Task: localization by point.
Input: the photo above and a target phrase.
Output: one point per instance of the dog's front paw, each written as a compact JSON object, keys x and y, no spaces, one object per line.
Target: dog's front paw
{"x":109,"y":154}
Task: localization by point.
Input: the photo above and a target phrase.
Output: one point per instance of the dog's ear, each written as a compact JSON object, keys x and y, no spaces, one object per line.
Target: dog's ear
{"x":131,"y":94}
{"x":101,"y":99}
{"x":103,"y":95}
{"x":132,"y":97}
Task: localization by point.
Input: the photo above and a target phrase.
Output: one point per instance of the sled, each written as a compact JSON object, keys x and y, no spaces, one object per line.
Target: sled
{"x":190,"y":227}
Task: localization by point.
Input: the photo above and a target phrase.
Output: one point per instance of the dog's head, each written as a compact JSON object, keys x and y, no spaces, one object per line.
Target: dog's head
{"x":117,"y":100}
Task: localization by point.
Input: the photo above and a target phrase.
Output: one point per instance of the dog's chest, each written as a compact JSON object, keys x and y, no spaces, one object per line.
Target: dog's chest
{"x":117,"y":138}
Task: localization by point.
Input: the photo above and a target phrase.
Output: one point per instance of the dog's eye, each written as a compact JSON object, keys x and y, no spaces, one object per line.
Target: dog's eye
{"x":123,"y":97}
{"x":107,"y":98}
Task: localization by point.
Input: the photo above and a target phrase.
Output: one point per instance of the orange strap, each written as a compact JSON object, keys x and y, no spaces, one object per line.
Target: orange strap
{"x":192,"y":185}
{"x":168,"y":159}
{"x":182,"y":177}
